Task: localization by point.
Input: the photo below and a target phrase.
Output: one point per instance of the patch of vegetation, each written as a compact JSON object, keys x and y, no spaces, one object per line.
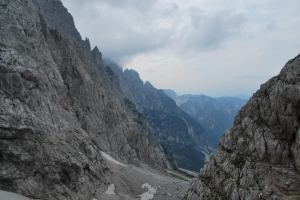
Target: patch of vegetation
{"x":179,"y":175}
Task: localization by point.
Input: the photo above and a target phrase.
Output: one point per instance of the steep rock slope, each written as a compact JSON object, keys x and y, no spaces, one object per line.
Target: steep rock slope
{"x":216,"y":115}
{"x":182,"y":137}
{"x":59,"y":107}
{"x":259,"y":158}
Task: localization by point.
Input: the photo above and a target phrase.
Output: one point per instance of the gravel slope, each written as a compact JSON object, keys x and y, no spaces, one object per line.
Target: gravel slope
{"x":128,"y":181}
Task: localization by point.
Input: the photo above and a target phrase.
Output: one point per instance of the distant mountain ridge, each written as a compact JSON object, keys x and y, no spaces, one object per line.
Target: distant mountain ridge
{"x":216,"y":115}
{"x":181,"y":136}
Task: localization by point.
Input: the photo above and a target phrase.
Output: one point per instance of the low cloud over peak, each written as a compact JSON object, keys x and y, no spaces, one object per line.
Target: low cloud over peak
{"x":208,"y":45}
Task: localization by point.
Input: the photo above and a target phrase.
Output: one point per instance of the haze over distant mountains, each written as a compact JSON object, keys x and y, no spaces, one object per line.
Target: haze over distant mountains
{"x":216,"y":115}
{"x":183,"y":138}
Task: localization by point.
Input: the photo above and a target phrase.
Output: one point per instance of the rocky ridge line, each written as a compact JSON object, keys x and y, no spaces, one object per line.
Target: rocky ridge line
{"x":60,"y":107}
{"x":259,"y":157}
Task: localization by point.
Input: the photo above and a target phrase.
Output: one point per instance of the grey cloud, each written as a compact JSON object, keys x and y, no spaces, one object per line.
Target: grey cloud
{"x":134,"y":4}
{"x":194,"y":40}
{"x":210,"y":31}
{"x":128,"y":27}
{"x":270,"y":26}
{"x":121,"y":27}
{"x":169,"y":9}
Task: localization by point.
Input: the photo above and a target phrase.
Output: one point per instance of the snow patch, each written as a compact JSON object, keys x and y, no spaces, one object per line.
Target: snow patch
{"x":111,"y":159}
{"x":111,"y":189}
{"x":207,"y":151}
{"x":11,"y":196}
{"x":206,"y":156}
{"x":150,"y":193}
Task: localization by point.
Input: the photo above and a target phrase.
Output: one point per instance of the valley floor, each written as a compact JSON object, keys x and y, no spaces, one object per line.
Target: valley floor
{"x":129,"y":182}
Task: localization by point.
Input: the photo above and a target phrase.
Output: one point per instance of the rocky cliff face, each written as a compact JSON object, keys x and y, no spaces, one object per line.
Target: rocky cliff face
{"x":259,"y":158}
{"x":182,"y":137}
{"x":60,"y":107}
{"x":216,"y":115}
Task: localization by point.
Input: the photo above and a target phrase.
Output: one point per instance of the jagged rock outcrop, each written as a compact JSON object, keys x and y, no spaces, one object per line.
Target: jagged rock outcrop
{"x":216,"y":115}
{"x":259,"y":158}
{"x":59,"y":107}
{"x":183,"y":138}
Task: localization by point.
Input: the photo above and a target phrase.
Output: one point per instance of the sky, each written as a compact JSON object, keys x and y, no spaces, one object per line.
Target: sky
{"x":212,"y":47}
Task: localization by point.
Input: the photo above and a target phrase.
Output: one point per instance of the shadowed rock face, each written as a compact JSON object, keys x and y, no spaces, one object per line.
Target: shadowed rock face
{"x":259,"y":158}
{"x":182,"y":137}
{"x":59,"y":107}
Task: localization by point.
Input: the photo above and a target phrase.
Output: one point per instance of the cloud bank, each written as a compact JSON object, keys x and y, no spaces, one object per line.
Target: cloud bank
{"x":216,"y":47}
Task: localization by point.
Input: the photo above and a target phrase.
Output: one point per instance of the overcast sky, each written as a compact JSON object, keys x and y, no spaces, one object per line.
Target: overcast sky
{"x":213,"y":47}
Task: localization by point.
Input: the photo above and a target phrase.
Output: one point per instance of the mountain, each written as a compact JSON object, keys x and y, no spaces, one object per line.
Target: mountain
{"x":183,"y":138}
{"x":259,"y":157}
{"x":60,"y":108}
{"x":216,"y":115}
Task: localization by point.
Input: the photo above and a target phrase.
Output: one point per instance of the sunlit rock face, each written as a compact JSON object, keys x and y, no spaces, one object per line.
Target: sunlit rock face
{"x":59,"y":107}
{"x":259,"y":158}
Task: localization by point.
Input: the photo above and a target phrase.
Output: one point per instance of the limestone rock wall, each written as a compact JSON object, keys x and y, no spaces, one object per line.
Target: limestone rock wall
{"x":259,"y":157}
{"x":59,"y":107}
